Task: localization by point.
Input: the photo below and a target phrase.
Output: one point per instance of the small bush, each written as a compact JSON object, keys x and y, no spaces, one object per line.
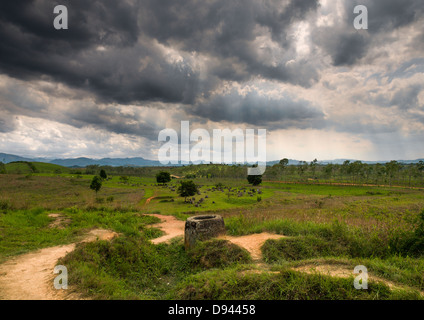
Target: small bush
{"x":298,"y":248}
{"x":285,"y":285}
{"x":5,"y":205}
{"x":410,"y":243}
{"x":336,"y":239}
{"x":125,"y":268}
{"x":100,"y":200}
{"x":218,"y":254}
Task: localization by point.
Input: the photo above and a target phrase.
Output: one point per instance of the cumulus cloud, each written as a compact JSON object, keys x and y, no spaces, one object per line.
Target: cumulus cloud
{"x":128,"y":69}
{"x":253,"y":108}
{"x":111,"y":48}
{"x":347,"y":46}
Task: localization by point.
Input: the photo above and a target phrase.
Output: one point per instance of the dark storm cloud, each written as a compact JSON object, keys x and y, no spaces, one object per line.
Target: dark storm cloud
{"x":220,"y":26}
{"x":16,"y":99}
{"x":7,"y":122}
{"x":181,"y":53}
{"x":31,"y":47}
{"x":225,"y":30}
{"x":387,"y":15}
{"x":347,"y":46}
{"x":407,"y":98}
{"x":256,"y":109}
{"x":90,"y":23}
{"x":407,"y":69}
{"x":111,"y":119}
{"x":403,"y":98}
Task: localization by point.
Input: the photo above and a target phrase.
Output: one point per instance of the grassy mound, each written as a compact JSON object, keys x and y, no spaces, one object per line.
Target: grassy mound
{"x":24,"y":167}
{"x":134,"y":268}
{"x":285,"y":285}
{"x":218,"y":254}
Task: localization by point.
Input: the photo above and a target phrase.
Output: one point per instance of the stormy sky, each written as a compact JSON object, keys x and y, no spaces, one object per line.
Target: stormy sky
{"x":125,"y":70}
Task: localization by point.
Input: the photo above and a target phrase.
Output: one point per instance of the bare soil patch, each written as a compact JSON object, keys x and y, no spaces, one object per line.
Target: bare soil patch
{"x":30,"y":276}
{"x":252,"y":242}
{"x":149,"y":199}
{"x":344,"y":271}
{"x":60,"y":221}
{"x":170,"y":225}
{"x":175,"y":228}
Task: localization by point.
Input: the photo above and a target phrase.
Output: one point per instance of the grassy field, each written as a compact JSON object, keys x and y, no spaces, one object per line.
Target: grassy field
{"x":326,"y":225}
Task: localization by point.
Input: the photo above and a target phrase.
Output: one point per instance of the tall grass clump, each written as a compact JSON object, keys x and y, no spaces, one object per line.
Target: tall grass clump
{"x":314,"y":239}
{"x":26,"y":230}
{"x":285,"y":285}
{"x":218,"y":254}
{"x":132,"y":267}
{"x":410,"y":243}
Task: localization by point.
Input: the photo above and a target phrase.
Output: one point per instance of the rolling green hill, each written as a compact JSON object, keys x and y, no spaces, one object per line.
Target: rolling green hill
{"x":25,"y":167}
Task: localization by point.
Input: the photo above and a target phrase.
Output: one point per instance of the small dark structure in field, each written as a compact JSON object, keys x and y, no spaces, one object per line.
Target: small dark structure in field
{"x":202,"y":227}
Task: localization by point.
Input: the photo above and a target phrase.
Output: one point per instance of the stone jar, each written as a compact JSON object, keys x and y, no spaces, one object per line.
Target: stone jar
{"x":202,"y":227}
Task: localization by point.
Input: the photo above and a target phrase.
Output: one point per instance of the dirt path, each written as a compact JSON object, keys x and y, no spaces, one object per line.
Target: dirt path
{"x":170,"y":225}
{"x":30,"y":276}
{"x":343,"y":271}
{"x":148,"y":200}
{"x":60,"y":221}
{"x":175,"y":228}
{"x":252,"y":242}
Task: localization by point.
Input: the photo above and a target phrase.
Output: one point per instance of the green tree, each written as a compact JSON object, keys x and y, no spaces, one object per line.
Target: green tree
{"x":2,"y":168}
{"x":124,"y":179}
{"x":328,"y":170}
{"x":163,"y":177}
{"x":379,"y":172}
{"x":302,"y":167}
{"x":91,"y":169}
{"x":96,"y":184}
{"x":412,"y":172}
{"x":187,"y":189}
{"x":355,"y":169}
{"x":103,"y":174}
{"x":345,"y":167}
{"x":313,"y":166}
{"x":392,"y":169}
{"x":420,"y":168}
{"x":254,"y":180}
{"x":283,"y":164}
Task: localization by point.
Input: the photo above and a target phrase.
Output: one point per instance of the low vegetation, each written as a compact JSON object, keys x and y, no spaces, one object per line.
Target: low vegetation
{"x":380,"y":227}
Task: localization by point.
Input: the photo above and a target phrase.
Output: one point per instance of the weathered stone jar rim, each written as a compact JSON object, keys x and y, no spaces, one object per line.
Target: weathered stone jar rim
{"x":203,"y":217}
{"x":202,"y":227}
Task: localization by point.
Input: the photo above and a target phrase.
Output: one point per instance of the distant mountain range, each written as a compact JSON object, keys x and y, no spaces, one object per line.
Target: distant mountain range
{"x":141,"y":162}
{"x":83,"y":162}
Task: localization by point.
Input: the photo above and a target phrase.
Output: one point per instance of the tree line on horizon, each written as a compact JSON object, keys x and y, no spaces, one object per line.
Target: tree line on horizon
{"x":357,"y":172}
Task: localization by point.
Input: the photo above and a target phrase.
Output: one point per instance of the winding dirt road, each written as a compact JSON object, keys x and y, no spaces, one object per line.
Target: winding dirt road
{"x":175,"y":228}
{"x":30,"y":276}
{"x":170,"y":225}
